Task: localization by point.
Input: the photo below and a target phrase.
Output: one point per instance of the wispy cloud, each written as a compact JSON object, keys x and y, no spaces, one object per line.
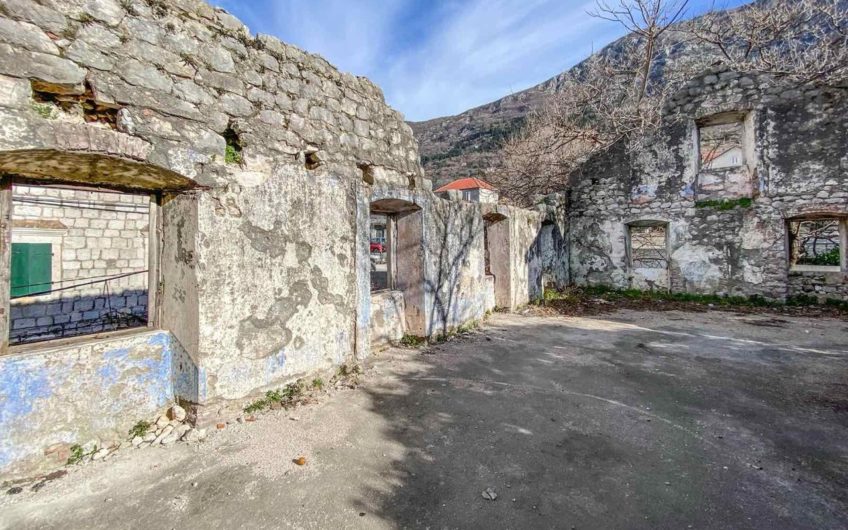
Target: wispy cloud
{"x":435,"y":58}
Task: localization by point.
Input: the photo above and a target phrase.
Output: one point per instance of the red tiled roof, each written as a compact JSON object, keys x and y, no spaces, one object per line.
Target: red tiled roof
{"x":469,"y":183}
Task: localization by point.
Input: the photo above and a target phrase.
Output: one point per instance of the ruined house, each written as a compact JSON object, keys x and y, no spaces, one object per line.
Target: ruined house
{"x":743,"y":191}
{"x":188,"y":212}
{"x":185,"y":212}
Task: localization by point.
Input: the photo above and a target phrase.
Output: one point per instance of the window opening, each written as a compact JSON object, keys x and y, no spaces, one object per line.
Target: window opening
{"x":815,"y":243}
{"x":79,"y":262}
{"x":721,"y":142}
{"x":648,"y":246}
{"x":380,"y":252}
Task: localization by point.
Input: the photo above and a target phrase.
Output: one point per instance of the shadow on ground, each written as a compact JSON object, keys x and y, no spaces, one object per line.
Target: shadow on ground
{"x":631,"y":420}
{"x":657,"y":421}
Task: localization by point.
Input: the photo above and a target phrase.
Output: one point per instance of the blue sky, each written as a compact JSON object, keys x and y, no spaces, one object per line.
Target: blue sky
{"x":440,"y":57}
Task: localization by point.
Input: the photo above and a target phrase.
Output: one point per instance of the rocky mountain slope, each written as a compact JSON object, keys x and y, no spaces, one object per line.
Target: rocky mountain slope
{"x":468,"y":144}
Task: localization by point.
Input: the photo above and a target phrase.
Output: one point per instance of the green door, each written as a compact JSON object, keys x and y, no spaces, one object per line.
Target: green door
{"x":32,"y":266}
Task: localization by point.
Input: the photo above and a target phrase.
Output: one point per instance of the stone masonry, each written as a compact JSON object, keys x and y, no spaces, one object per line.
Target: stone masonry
{"x":719,"y":241}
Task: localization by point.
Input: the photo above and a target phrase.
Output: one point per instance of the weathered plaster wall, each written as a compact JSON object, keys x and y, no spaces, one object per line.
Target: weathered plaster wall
{"x":294,"y":311}
{"x":54,"y":397}
{"x":797,"y":144}
{"x":388,"y":318}
{"x":259,"y":272}
{"x":455,"y":282}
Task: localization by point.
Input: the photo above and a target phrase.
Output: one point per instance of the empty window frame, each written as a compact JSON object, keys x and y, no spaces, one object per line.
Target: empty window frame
{"x":380,"y":252}
{"x":648,"y":245}
{"x":79,"y":262}
{"x":721,"y":141}
{"x":816,"y":244}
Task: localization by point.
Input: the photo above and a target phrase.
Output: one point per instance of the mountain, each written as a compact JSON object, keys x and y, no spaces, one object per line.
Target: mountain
{"x":468,"y":144}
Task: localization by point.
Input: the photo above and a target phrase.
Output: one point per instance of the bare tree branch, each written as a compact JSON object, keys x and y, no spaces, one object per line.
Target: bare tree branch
{"x":620,"y":95}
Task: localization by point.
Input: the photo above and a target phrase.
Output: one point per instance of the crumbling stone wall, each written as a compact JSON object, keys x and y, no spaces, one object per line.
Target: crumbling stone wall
{"x":797,"y":167}
{"x":263,"y":161}
{"x":259,"y":247}
{"x":51,"y":400}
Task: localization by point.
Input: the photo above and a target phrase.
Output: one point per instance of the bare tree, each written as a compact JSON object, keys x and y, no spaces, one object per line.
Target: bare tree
{"x":620,"y":95}
{"x":800,"y":41}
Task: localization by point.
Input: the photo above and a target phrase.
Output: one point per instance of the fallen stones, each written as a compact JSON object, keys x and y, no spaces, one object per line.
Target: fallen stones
{"x":194,"y":435}
{"x":163,"y":434}
{"x":177,"y":413}
{"x":162,"y":421}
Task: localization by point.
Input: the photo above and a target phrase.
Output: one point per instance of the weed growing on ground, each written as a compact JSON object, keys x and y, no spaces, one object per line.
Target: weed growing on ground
{"x":348,"y":370}
{"x":412,"y":341}
{"x":140,"y":429}
{"x":585,"y":296}
{"x":77,"y":454}
{"x":287,"y":396}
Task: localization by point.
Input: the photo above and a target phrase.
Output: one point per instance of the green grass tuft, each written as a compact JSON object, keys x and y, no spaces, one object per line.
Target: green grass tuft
{"x":412,"y":341}
{"x":232,"y":155}
{"x":77,"y":454}
{"x":140,"y":429}
{"x":725,"y":204}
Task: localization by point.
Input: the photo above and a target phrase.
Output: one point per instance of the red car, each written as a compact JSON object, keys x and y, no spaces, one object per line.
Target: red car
{"x":376,"y":246}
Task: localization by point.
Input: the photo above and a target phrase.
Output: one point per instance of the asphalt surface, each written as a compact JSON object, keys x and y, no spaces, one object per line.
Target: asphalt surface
{"x":630,"y":420}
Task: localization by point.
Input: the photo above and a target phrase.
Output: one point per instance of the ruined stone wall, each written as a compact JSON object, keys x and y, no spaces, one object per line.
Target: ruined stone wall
{"x":259,"y":276}
{"x":388,"y":318}
{"x":796,"y":166}
{"x":455,"y":282}
{"x":264,"y":161}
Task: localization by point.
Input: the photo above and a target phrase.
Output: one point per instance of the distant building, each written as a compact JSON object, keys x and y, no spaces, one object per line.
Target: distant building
{"x":472,"y":189}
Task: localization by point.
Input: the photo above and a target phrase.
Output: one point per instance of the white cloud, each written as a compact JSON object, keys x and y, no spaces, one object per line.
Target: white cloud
{"x":487,"y":49}
{"x":437,"y":58}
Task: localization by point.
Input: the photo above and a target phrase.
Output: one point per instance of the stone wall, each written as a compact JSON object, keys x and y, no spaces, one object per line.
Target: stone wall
{"x":388,"y":318}
{"x":99,"y":243}
{"x":716,"y":243}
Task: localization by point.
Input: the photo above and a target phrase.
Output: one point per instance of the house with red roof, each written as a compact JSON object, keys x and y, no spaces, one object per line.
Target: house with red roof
{"x":472,"y":189}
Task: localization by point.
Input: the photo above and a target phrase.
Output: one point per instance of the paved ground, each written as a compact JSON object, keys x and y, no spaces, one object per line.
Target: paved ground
{"x":634,"y":420}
